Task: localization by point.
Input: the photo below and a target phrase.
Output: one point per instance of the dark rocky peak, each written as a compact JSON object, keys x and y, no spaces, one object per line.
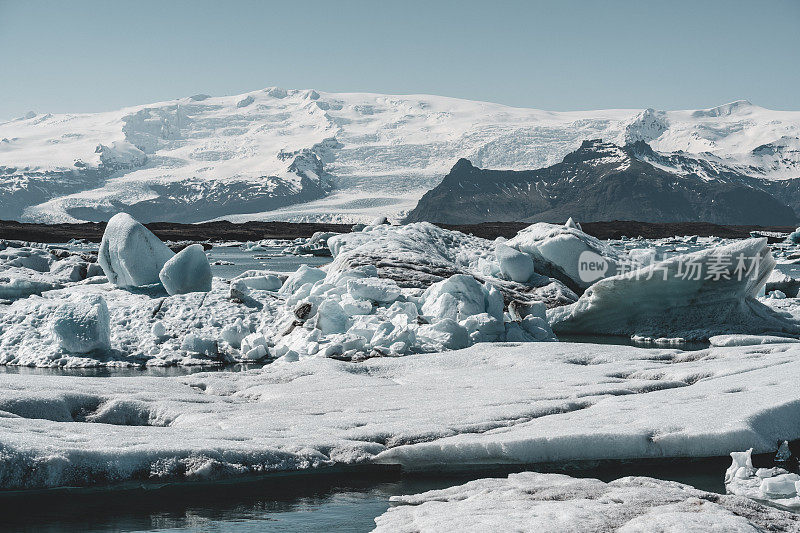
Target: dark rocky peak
{"x":462,"y":165}
{"x":640,"y":149}
{"x":596,"y":149}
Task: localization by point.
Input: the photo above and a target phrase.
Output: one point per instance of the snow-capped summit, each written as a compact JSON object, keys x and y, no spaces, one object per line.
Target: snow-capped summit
{"x":309,"y":155}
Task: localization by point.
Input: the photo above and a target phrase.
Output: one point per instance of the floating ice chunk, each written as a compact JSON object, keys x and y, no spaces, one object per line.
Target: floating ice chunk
{"x":780,"y":486}
{"x":36,"y":259}
{"x":82,"y":324}
{"x":488,"y":327}
{"x":379,"y":221}
{"x":254,"y":347}
{"x":559,"y":251}
{"x":338,"y":344}
{"x":130,"y":254}
{"x":741,"y":465}
{"x":14,"y":288}
{"x":407,"y":309}
{"x":550,"y":503}
{"x":262,"y":283}
{"x":159,"y":331}
{"x":235,"y":333}
{"x":571,"y":224}
{"x":376,"y":289}
{"x":94,"y":270}
{"x":303,"y":275}
{"x":341,"y":277}
{"x":694,"y":296}
{"x":515,"y":265}
{"x":196,"y":344}
{"x":352,"y":306}
{"x":187,"y":271}
{"x":538,"y":328}
{"x":777,"y":295}
{"x":748,"y":340}
{"x":421,"y":254}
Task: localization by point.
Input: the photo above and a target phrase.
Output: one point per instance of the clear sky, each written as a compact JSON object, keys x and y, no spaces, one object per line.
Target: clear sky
{"x":74,"y":56}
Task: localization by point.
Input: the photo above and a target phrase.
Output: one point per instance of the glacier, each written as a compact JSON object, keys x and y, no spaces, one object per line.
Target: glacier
{"x":305,"y":155}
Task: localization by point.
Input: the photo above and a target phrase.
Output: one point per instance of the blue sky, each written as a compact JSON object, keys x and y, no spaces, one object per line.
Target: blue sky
{"x":91,"y":56}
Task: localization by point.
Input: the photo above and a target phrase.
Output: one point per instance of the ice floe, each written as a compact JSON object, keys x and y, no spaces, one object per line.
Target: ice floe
{"x":492,"y":403}
{"x":775,"y":484}
{"x":545,"y":503}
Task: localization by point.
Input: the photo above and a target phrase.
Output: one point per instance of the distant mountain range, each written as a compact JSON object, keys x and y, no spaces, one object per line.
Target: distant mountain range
{"x":603,"y":181}
{"x":304,"y":155}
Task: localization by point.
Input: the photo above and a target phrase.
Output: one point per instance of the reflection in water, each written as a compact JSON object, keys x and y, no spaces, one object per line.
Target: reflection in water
{"x":340,"y":502}
{"x":127,"y":372}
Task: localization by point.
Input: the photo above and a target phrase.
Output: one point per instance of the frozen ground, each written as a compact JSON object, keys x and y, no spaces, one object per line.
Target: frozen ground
{"x":555,"y":503}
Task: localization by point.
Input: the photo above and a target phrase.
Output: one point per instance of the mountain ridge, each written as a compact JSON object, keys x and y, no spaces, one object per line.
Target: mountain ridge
{"x":305,"y":155}
{"x":601,"y":181}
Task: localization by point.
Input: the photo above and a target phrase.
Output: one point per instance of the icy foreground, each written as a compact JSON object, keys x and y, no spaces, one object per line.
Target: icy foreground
{"x":390,"y":290}
{"x":491,"y":403}
{"x":555,"y":503}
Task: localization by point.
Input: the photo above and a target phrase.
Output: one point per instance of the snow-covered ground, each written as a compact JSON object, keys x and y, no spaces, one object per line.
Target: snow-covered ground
{"x":553,"y":503}
{"x":345,"y":156}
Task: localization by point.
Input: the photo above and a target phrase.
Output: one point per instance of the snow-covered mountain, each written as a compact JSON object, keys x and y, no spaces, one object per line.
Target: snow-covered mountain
{"x":603,"y":181}
{"x":305,"y":155}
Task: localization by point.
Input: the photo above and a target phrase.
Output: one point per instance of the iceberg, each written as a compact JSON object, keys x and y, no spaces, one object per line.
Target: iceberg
{"x":694,"y":296}
{"x":131,"y":256}
{"x":421,"y":254}
{"x":82,"y":324}
{"x":559,"y":251}
{"x":187,"y":271}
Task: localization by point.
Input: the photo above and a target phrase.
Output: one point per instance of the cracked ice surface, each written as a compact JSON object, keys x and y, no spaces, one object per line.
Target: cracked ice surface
{"x":493,"y":402}
{"x":545,"y":503}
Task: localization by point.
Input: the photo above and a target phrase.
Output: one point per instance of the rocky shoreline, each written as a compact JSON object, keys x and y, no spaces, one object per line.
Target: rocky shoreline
{"x":228,"y":231}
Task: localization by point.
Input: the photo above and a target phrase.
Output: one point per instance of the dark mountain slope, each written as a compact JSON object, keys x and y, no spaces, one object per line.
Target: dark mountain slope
{"x":602,"y":181}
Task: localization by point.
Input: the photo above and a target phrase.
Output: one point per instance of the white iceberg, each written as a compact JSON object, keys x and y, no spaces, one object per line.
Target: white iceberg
{"x":559,"y":251}
{"x":187,"y":271}
{"x":131,"y":256}
{"x":515,"y":265}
